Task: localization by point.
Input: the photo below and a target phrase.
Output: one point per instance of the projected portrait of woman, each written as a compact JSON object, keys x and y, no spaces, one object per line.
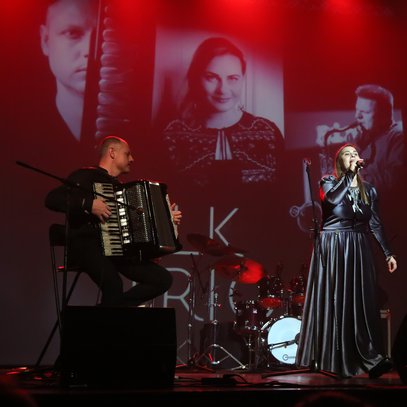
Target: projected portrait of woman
{"x":214,"y":136}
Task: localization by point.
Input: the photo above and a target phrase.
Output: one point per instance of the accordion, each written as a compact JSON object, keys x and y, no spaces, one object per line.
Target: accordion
{"x":119,"y":70}
{"x":141,"y":222}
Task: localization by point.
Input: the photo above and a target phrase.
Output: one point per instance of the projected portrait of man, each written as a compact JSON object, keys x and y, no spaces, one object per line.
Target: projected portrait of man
{"x":377,"y":133}
{"x":381,"y":137}
{"x":65,"y":40}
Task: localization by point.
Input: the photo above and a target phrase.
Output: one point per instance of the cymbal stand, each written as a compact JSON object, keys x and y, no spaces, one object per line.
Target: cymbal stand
{"x":191,"y":361}
{"x":188,"y":340}
{"x":252,"y":347}
{"x":211,"y":351}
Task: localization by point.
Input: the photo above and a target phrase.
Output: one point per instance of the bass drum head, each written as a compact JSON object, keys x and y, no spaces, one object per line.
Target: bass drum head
{"x":282,"y":339}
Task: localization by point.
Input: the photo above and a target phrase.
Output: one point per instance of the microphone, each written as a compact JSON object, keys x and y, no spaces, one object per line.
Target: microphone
{"x":307,"y":162}
{"x":351,"y":125}
{"x":340,"y":130}
{"x":360,"y":164}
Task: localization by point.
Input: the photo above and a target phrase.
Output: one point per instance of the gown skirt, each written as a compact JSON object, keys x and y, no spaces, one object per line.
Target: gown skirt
{"x":340,"y":310}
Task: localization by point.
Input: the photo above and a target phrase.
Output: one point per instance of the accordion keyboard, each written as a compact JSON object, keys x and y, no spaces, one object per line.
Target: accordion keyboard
{"x":140,"y":223}
{"x":111,"y":235}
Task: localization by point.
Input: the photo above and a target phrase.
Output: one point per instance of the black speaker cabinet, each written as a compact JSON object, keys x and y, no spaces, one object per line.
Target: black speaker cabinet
{"x":399,"y":351}
{"x":118,"y":347}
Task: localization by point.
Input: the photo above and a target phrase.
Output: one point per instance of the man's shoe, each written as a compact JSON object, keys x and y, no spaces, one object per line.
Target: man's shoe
{"x":384,"y":366}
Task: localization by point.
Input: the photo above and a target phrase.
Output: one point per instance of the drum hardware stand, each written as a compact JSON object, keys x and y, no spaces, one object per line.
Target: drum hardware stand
{"x":287,"y":305}
{"x":314,"y":367}
{"x":257,"y":352}
{"x":260,"y":354}
{"x":254,"y":346}
{"x":192,"y":359}
{"x":210,"y":352}
{"x":284,"y":343}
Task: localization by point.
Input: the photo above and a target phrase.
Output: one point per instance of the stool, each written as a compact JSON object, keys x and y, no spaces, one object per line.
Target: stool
{"x":56,"y":235}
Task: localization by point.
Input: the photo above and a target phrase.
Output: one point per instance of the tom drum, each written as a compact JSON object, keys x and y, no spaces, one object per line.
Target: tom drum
{"x":250,"y":317}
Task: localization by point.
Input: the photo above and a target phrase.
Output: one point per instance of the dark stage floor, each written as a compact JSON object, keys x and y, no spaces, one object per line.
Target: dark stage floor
{"x":197,"y":386}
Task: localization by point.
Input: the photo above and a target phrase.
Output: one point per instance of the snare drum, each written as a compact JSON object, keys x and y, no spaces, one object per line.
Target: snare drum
{"x":250,"y":317}
{"x":296,"y":304}
{"x":271,"y":292}
{"x":298,"y":299}
{"x":282,"y":338}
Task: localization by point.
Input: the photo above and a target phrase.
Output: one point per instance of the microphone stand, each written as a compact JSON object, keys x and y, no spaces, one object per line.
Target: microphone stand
{"x":317,"y":256}
{"x":70,"y":184}
{"x":60,"y":307}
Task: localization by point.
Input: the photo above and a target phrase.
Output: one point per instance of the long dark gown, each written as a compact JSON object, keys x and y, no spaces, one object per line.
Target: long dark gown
{"x":341,"y":293}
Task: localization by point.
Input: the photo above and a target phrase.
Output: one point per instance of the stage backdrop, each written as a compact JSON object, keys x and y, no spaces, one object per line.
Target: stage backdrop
{"x":81,"y":70}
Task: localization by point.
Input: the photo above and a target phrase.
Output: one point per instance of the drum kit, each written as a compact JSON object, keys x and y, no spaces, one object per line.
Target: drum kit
{"x":270,"y":335}
{"x":270,"y":339}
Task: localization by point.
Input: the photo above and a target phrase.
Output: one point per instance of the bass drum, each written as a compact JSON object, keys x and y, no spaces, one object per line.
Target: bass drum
{"x":282,"y":339}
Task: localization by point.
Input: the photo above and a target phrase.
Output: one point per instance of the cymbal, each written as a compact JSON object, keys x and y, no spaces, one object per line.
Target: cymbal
{"x":240,"y":269}
{"x":211,"y":246}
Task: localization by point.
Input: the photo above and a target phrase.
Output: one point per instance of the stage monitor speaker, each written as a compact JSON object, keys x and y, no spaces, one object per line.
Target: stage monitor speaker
{"x":118,"y":347}
{"x":399,"y":351}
